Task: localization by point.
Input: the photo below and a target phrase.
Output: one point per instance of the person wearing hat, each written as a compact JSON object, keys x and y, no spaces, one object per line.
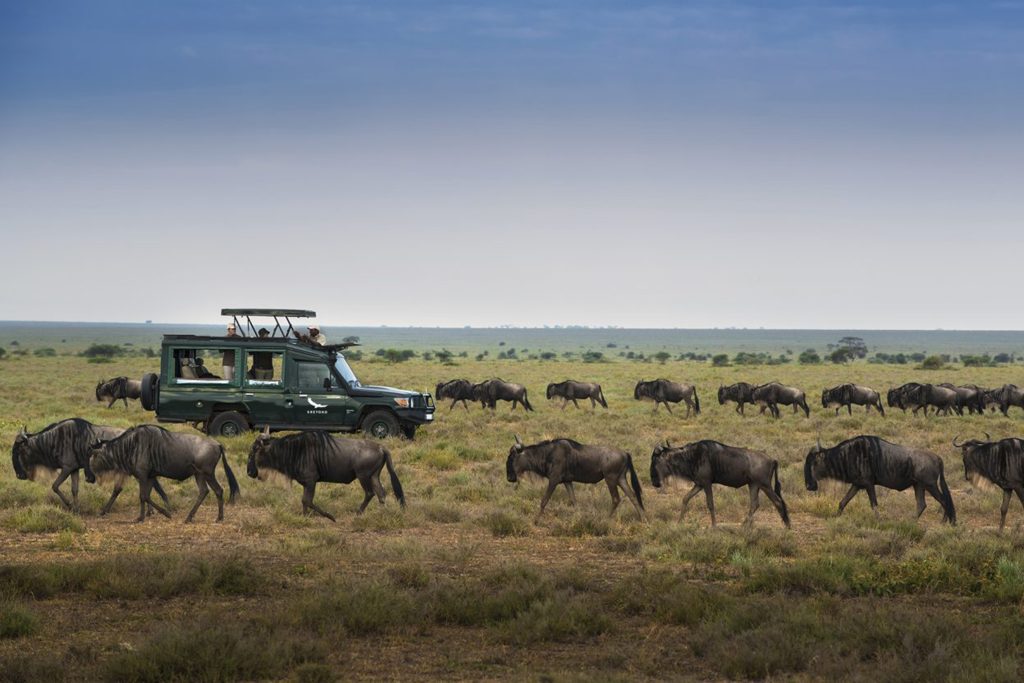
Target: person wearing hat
{"x":228,"y":363}
{"x":315,"y":335}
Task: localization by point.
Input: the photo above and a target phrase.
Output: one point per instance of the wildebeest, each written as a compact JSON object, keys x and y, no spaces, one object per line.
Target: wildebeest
{"x":968,"y":396}
{"x":917,"y":396}
{"x":570,"y":390}
{"x":63,"y":446}
{"x":564,"y":461}
{"x":1008,"y":395}
{"x":772,"y":394}
{"x":709,"y":462}
{"x":1000,"y":463}
{"x":119,"y":388}
{"x":849,"y":394}
{"x":148,"y":451}
{"x":741,"y":393}
{"x":904,"y":397}
{"x":665,"y":391}
{"x":457,"y":390}
{"x":490,"y":391}
{"x":864,"y":462}
{"x":311,"y":457}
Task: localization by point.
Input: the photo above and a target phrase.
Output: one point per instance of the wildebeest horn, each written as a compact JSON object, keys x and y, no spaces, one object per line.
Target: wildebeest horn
{"x":820,"y":447}
{"x":266,"y":430}
{"x":955,"y":444}
{"x":518,"y":440}
{"x":987,"y":437}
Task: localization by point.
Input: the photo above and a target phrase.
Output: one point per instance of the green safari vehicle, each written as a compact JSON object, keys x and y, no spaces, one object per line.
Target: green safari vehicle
{"x":284,"y":381}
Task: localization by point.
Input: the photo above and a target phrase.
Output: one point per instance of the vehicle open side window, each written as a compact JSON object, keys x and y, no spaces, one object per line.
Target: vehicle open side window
{"x":311,"y":376}
{"x":199,"y":366}
{"x":264,"y":368}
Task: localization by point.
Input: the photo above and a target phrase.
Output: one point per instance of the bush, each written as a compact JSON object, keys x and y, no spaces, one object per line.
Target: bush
{"x":809,"y":357}
{"x":103,"y":351}
{"x":42,"y":519}
{"x":502,"y":524}
{"x":720,"y":359}
{"x":662,"y":356}
{"x":932,"y":363}
{"x":16,"y":621}
{"x":45,"y":353}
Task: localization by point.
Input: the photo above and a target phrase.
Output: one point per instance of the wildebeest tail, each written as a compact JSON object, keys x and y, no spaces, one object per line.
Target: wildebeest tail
{"x":634,"y":481}
{"x":232,"y":482}
{"x":783,"y":511}
{"x":526,"y":400}
{"x":396,"y":485}
{"x":600,"y":395}
{"x":696,"y":401}
{"x":947,"y":497}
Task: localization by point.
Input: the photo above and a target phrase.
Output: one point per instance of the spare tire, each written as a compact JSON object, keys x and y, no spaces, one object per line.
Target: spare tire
{"x":150,"y":391}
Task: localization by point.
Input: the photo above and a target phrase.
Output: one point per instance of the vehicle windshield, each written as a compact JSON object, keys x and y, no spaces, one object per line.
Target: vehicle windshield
{"x":342,"y":368}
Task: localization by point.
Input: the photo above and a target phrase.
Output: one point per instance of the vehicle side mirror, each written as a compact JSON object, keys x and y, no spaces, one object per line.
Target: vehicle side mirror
{"x":327,"y":382}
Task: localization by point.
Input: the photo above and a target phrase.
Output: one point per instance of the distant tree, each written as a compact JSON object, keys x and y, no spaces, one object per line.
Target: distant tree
{"x":841,"y":356}
{"x":351,"y":339}
{"x":479,"y":356}
{"x":3,"y":352}
{"x":720,"y":359}
{"x":918,"y":357}
{"x":444,"y":355}
{"x":932,"y":363}
{"x":611,"y":345}
{"x":15,"y":343}
{"x":976,"y":361}
{"x":428,"y":355}
{"x":854,"y":345}
{"x":397,"y":356}
{"x":592,"y":357}
{"x":662,"y":356}
{"x":1003,"y":358}
{"x":548,"y":355}
{"x":103,"y":351}
{"x":45,"y":352}
{"x":809,"y":357}
{"x":501,"y":343}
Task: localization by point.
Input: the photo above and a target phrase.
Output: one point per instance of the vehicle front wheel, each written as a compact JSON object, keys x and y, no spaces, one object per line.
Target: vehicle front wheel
{"x":230,"y":423}
{"x":381,"y":424}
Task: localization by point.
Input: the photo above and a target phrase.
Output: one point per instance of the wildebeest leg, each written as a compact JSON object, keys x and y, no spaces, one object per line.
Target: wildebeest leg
{"x":565,"y":402}
{"x":1007,"y":496}
{"x":125,"y":399}
{"x":574,"y":402}
{"x":837,"y":410}
{"x":871,"y":497}
{"x":849,"y":409}
{"x":624,"y":485}
{"x":307,"y":500}
{"x":777,"y":502}
{"x":74,"y":489}
{"x":218,"y":491}
{"x":937,"y":495}
{"x":848,"y":497}
{"x":710,"y":497}
{"x":668,"y":407}
{"x":572,"y":492}
{"x":689,"y":405}
{"x":552,"y":485}
{"x":1020,"y":495}
{"x":919,"y":494}
{"x":377,"y":488}
{"x":686,"y":500}
{"x":145,"y":487}
{"x":111,"y":403}
{"x":367,"y":494}
{"x":754,"y":503}
{"x":613,"y":488}
{"x":118,"y":485}
{"x":203,"y":490}
{"x":64,"y":474}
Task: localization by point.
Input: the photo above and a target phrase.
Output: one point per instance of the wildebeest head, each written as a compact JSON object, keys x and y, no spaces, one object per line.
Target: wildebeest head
{"x":18,"y":452}
{"x":658,"y":464}
{"x":971,"y":451}
{"x":813,"y":466}
{"x":99,"y":385}
{"x":642,"y":390}
{"x":721,"y":395}
{"x":259,"y":454}
{"x":101,"y":459}
{"x":513,"y":466}
{"x":550,"y":391}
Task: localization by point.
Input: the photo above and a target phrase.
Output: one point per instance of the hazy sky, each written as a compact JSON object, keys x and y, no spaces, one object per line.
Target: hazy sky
{"x":691,"y":164}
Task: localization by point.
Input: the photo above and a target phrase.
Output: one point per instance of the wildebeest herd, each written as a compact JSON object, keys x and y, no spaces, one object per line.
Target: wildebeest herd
{"x":944,"y":398}
{"x":149,"y":452}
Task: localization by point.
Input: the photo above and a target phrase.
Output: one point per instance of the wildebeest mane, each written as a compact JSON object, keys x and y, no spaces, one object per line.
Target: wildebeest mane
{"x":286,"y":454}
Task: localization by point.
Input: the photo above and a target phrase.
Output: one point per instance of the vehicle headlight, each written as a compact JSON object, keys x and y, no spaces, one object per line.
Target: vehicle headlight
{"x":403,"y":402}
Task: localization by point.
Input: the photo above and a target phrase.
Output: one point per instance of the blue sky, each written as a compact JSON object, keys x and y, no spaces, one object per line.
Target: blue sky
{"x":778,"y":164}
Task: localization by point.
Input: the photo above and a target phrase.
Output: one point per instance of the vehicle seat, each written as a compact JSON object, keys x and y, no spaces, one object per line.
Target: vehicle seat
{"x":188,"y":370}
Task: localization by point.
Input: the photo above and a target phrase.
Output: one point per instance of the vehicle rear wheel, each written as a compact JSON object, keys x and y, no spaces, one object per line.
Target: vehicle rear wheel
{"x":229,"y":423}
{"x":150,"y":387}
{"x":381,"y":424}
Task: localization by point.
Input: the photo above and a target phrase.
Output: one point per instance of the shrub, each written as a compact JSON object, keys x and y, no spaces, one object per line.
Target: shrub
{"x":809,"y":357}
{"x":41,"y":519}
{"x":103,"y":351}
{"x":16,"y":621}
{"x":502,"y":524}
{"x":932,"y":363}
{"x":720,"y":359}
{"x":45,"y":353}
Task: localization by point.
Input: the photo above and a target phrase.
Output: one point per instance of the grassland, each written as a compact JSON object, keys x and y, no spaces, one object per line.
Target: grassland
{"x":466,"y":584}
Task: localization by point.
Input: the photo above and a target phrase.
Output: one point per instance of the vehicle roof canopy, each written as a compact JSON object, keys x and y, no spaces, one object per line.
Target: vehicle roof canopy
{"x":278,"y":330}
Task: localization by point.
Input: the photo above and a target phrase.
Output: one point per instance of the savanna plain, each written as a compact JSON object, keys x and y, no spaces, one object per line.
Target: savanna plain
{"x":467,"y":583}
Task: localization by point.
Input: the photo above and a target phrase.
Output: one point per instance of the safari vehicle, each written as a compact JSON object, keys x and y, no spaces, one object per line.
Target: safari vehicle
{"x":283,"y":381}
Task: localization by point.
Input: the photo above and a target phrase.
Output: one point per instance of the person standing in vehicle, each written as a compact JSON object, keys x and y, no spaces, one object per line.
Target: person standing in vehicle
{"x":228,"y":363}
{"x":262,"y":361}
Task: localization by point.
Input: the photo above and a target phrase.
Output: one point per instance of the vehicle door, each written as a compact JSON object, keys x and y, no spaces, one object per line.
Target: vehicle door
{"x":265,"y":393}
{"x":319,"y":401}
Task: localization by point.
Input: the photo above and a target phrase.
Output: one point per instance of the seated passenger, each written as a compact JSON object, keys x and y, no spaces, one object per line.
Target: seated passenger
{"x":262,"y":361}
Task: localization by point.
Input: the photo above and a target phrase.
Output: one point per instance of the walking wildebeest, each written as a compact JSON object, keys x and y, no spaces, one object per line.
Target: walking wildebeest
{"x":457,"y":390}
{"x":1000,"y":463}
{"x":709,"y":462}
{"x":989,"y":400}
{"x":741,"y":393}
{"x":864,"y":462}
{"x":148,"y":451}
{"x":941,"y":398}
{"x":490,"y":391}
{"x":849,"y":394}
{"x":570,"y":390}
{"x":772,"y":394}
{"x":564,"y":461}
{"x":968,"y":396}
{"x":311,"y":457}
{"x":63,"y":446}
{"x":1008,"y":395}
{"x":118,"y":389}
{"x":665,"y":391}
{"x":904,"y":397}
